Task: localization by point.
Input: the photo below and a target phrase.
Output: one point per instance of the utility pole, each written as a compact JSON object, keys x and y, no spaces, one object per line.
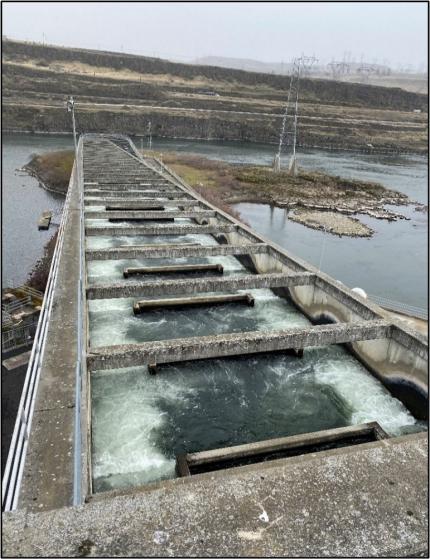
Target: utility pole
{"x":149,"y":136}
{"x":291,"y":111}
{"x":71,"y":109}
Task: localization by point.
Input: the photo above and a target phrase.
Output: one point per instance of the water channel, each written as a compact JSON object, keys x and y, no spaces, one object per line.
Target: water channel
{"x":140,"y":422}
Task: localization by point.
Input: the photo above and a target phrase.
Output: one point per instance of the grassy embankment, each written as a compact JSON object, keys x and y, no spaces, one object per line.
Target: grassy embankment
{"x":53,"y":170}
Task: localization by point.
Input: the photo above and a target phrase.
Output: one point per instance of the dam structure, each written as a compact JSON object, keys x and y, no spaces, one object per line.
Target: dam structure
{"x":194,"y":389}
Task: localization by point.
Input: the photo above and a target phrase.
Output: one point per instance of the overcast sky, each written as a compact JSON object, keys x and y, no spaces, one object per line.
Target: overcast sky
{"x":271,"y":32}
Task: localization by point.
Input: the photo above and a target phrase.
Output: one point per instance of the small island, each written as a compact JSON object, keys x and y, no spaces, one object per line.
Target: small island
{"x":314,"y":199}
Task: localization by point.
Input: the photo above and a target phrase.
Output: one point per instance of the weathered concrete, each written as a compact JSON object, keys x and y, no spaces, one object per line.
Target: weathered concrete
{"x":48,"y":475}
{"x":142,"y":207}
{"x":16,"y":361}
{"x":142,"y":194}
{"x":223,"y":345}
{"x":133,"y":231}
{"x":361,"y":501}
{"x":173,"y":251}
{"x":367,"y":431}
{"x":175,"y":269}
{"x":137,"y":203}
{"x":107,"y":187}
{"x":148,"y":214}
{"x":44,"y":221}
{"x":195,"y":285}
{"x":366,"y":500}
{"x":186,"y":302}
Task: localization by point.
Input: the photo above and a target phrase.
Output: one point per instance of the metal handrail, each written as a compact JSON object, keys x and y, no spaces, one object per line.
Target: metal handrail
{"x":30,"y":291}
{"x":81,"y":349}
{"x":18,"y":446}
{"x":403,"y":308}
{"x":15,"y":305}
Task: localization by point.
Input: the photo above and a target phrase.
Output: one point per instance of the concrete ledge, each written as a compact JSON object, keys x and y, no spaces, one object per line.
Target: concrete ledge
{"x":368,"y":500}
{"x":148,"y":214}
{"x":364,"y":432}
{"x":138,"y":203}
{"x":189,"y":286}
{"x":136,"y":186}
{"x":413,"y":340}
{"x":174,"y":252}
{"x":223,"y":345}
{"x":142,"y":194}
{"x":134,"y":231}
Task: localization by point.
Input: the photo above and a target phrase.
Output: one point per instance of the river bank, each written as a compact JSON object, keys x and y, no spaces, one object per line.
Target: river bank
{"x":315,"y":199}
{"x":392,"y":263}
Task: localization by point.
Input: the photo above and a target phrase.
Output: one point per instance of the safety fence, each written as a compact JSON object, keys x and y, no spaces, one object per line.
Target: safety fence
{"x":403,"y":308}
{"x":18,"y":447}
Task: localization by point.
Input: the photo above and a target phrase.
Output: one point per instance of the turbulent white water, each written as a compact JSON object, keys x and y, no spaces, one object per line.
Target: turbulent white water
{"x":141,"y":422}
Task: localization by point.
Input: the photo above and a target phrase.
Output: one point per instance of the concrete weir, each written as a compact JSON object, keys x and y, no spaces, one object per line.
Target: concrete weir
{"x":174,"y":251}
{"x":188,"y":302}
{"x":135,"y":231}
{"x":196,"y":285}
{"x":207,"y":347}
{"x":366,"y":499}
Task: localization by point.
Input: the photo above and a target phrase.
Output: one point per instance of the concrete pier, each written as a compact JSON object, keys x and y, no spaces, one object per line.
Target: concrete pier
{"x":44,"y":221}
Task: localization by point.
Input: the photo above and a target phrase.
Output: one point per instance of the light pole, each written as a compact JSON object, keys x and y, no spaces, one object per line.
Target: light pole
{"x":149,"y":135}
{"x":71,"y":109}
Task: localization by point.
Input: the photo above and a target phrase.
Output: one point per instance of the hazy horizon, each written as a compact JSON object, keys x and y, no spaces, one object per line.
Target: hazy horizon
{"x":377,"y":32}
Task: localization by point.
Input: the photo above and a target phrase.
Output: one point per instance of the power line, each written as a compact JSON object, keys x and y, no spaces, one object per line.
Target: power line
{"x":300,"y":65}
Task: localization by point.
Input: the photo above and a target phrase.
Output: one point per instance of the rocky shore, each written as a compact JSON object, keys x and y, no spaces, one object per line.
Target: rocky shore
{"x":315,"y":199}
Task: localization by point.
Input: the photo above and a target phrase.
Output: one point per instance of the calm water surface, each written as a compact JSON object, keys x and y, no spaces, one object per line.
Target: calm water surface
{"x":23,"y":201}
{"x":393,"y":263}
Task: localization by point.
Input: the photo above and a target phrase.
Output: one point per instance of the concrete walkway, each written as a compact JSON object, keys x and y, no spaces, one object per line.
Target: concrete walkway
{"x":368,"y":500}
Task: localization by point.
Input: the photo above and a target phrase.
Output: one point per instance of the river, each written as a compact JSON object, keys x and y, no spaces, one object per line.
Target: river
{"x":392,"y":264}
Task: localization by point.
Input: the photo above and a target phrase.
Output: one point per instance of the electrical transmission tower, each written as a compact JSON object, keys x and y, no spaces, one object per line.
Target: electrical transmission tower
{"x":289,"y":120}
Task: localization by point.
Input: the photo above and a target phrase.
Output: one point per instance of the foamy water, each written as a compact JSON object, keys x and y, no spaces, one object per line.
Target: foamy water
{"x":141,"y":422}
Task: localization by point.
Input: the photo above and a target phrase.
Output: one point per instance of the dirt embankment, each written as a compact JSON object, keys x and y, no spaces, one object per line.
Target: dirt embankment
{"x":114,"y":91}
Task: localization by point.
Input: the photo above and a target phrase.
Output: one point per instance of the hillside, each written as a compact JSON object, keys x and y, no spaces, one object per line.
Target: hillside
{"x":120,"y":92}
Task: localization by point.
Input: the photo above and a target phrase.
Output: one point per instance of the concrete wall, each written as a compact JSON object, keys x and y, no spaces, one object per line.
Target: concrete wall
{"x":399,"y":362}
